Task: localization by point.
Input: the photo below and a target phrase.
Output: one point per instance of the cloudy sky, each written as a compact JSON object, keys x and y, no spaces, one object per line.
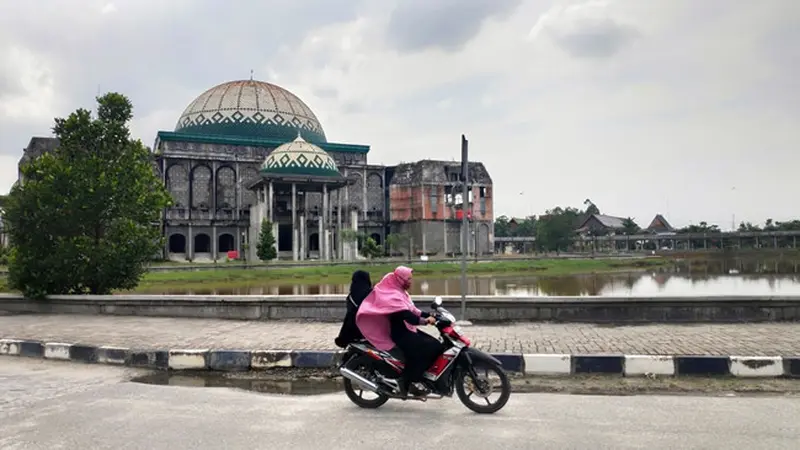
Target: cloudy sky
{"x":683,"y":107}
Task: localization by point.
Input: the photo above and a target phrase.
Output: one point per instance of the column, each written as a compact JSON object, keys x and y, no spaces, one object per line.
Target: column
{"x":214,"y":243}
{"x":321,"y":235}
{"x":294,"y":222}
{"x":323,"y":241}
{"x":271,"y":202}
{"x":353,"y":245}
{"x":190,"y":244}
{"x":339,"y":253}
{"x":303,"y":236}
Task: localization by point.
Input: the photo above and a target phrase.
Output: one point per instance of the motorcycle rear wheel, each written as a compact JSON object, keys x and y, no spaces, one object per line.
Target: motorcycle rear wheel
{"x":360,"y":365}
{"x":467,"y":398}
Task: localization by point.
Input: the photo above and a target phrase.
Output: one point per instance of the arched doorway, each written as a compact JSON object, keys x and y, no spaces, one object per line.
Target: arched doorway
{"x":202,"y":243}
{"x":483,"y":239}
{"x":226,"y":243}
{"x":376,"y":237}
{"x":177,"y":243}
{"x":313,"y":242}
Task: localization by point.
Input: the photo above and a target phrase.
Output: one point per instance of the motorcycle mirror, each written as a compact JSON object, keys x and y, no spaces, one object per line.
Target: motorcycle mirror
{"x":437,"y":301}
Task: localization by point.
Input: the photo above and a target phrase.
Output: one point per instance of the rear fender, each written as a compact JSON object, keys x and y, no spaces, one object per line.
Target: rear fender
{"x":470,"y":355}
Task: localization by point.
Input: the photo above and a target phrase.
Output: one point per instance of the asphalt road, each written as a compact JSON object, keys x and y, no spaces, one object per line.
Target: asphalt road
{"x":47,"y":405}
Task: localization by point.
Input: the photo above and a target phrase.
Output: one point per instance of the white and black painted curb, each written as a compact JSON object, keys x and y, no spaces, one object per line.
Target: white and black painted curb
{"x":529,"y":364}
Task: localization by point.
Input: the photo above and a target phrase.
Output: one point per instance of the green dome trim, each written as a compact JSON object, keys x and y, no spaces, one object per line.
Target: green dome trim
{"x":300,"y":158}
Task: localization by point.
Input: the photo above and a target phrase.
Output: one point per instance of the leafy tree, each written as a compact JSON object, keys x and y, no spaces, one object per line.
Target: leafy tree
{"x":371,"y":249}
{"x":502,"y":227}
{"x":266,"y":242}
{"x":85,"y":217}
{"x":629,"y":227}
{"x":395,"y":242}
{"x":591,"y":208}
{"x":555,"y":229}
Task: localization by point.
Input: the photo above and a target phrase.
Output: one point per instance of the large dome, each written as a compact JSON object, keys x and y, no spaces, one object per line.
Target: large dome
{"x":250,"y":108}
{"x":300,"y":158}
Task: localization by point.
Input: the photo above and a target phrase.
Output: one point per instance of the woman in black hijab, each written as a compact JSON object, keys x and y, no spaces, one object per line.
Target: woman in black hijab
{"x":360,"y":287}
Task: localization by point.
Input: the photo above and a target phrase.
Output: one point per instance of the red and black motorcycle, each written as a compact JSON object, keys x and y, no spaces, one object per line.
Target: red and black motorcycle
{"x":460,"y":367}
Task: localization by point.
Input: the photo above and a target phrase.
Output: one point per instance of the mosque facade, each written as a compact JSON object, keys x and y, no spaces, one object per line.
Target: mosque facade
{"x":247,"y":151}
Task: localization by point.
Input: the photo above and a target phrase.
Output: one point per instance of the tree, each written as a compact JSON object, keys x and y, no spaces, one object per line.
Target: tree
{"x":629,"y":227}
{"x":371,"y":249}
{"x":85,"y":218}
{"x":395,"y":242}
{"x":591,"y":208}
{"x":266,"y":242}
{"x":555,"y":229}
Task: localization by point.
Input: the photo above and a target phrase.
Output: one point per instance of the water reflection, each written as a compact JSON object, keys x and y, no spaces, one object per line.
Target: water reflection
{"x":701,"y":277}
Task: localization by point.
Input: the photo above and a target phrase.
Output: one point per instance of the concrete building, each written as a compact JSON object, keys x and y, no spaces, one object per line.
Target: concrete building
{"x":247,"y":150}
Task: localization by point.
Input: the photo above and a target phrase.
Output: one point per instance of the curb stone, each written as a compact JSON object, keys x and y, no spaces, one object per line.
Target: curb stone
{"x":528,"y":364}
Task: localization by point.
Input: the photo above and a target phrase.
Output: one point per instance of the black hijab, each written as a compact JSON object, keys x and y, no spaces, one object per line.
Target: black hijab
{"x":360,"y":286}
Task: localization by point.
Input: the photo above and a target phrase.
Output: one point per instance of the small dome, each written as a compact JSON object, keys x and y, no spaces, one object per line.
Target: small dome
{"x":253,"y":109}
{"x":300,"y":158}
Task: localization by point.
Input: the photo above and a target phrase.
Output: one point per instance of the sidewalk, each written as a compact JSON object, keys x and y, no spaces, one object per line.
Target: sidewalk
{"x":767,"y":339}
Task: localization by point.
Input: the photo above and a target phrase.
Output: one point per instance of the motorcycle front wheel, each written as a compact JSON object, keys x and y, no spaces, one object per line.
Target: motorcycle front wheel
{"x":356,"y":393}
{"x":475,"y":394}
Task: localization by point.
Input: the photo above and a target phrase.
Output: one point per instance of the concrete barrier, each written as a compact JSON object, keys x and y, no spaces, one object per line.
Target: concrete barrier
{"x":9,"y":347}
{"x":188,"y":359}
{"x":645,"y":365}
{"x":547,"y":364}
{"x":719,"y":309}
{"x":528,"y":364}
{"x":56,"y":350}
{"x":756,"y":366}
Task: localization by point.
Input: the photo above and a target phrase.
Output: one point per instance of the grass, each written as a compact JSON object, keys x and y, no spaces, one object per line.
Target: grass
{"x":243,"y":278}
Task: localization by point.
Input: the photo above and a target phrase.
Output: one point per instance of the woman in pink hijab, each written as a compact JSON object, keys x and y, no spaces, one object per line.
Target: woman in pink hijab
{"x":388,"y":318}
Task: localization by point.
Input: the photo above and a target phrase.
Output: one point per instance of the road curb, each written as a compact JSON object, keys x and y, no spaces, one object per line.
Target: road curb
{"x":224,"y":360}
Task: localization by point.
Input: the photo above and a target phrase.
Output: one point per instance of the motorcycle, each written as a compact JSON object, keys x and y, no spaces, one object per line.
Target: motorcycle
{"x":367,"y":369}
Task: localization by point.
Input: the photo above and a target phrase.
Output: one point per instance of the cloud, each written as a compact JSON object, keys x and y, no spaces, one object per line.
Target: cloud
{"x":644,"y":107}
{"x":585,"y":30}
{"x":445,"y":24}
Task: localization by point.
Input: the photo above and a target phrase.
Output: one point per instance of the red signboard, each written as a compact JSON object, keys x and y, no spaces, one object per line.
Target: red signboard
{"x":460,"y":214}
{"x":233,"y":254}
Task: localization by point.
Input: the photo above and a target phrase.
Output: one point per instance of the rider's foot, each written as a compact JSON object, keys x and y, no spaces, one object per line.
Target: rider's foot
{"x":417,"y":392}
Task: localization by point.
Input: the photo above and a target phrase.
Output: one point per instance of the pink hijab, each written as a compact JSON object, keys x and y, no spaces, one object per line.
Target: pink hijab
{"x":387,"y":297}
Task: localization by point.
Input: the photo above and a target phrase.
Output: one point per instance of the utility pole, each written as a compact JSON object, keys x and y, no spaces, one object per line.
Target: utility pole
{"x":464,"y":226}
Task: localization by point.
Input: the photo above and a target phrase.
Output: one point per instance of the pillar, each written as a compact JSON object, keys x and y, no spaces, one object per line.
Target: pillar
{"x":775,"y":241}
{"x":321,"y":234}
{"x":303,"y":239}
{"x":323,"y":237}
{"x":214,"y":243}
{"x":271,"y":202}
{"x":353,"y":245}
{"x":294,"y":223}
{"x":339,"y":254}
{"x":190,"y":244}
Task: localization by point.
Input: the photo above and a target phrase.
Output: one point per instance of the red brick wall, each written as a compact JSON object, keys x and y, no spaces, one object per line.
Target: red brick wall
{"x":408,"y":203}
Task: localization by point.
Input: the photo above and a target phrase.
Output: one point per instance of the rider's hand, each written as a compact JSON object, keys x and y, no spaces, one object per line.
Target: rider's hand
{"x":430,"y":320}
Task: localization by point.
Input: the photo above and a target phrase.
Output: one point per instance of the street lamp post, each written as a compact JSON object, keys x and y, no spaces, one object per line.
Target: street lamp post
{"x":465,"y":227}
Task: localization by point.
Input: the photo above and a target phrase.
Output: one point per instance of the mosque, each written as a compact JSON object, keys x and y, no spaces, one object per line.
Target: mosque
{"x":247,"y":151}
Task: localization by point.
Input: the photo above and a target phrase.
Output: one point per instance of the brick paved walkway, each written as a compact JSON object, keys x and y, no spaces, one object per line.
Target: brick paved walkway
{"x":769,"y":339}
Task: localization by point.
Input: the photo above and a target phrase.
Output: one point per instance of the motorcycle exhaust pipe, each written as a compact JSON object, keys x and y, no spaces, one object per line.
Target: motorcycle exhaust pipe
{"x":358,"y":379}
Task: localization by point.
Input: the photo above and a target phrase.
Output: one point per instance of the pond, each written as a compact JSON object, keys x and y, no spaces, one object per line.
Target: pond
{"x":697,"y":277}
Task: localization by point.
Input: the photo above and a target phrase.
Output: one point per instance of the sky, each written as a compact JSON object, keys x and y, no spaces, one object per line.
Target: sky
{"x":681,"y":107}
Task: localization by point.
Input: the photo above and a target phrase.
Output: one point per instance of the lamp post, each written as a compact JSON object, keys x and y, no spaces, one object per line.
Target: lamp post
{"x":464,"y":227}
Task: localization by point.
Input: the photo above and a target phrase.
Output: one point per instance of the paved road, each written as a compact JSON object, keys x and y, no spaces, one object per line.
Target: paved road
{"x":92,"y":408}
{"x":768,"y":339}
